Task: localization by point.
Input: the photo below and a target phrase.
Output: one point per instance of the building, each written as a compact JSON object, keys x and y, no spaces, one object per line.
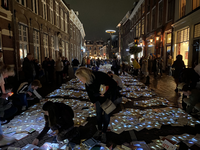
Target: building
{"x":42,"y":27}
{"x":6,"y":33}
{"x":186,"y":31}
{"x":149,"y":26}
{"x":93,"y":48}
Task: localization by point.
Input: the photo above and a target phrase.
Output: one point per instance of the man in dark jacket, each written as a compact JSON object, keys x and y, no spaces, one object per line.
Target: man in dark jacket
{"x":50,"y":67}
{"x":75,"y":64}
{"x":29,"y":68}
{"x":45,"y":67}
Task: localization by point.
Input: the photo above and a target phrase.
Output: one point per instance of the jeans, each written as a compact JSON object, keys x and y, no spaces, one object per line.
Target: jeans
{"x":23,"y":100}
{"x":102,"y":119}
{"x":75,"y":70}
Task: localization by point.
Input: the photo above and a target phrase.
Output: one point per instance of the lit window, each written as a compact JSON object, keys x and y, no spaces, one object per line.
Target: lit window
{"x":45,"y":41}
{"x":36,"y":45}
{"x":23,"y":41}
{"x":66,"y":26}
{"x":62,"y":21}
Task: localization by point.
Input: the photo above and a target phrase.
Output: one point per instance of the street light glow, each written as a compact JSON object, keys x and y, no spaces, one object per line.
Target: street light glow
{"x":110,"y":31}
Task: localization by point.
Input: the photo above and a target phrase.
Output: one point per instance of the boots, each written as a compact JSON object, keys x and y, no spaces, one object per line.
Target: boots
{"x":147,"y":80}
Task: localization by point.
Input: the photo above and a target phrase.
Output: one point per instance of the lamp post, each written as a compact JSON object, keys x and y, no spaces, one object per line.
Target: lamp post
{"x":110,"y":32}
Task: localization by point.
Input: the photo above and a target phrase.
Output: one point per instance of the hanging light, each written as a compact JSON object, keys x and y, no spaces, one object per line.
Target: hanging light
{"x":151,"y":40}
{"x":157,"y":38}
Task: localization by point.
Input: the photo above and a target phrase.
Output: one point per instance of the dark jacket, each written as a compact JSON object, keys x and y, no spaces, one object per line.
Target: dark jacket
{"x":93,"y":89}
{"x":51,"y":64}
{"x":75,"y":62}
{"x":28,"y":68}
{"x":179,"y":66}
{"x":64,"y":122}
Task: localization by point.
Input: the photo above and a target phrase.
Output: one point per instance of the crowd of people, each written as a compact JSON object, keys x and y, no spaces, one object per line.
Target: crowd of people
{"x":87,"y":72}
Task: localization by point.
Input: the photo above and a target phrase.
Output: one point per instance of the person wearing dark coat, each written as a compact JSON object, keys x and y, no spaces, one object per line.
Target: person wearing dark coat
{"x":50,"y":66}
{"x":178,"y":65}
{"x":59,"y":118}
{"x":45,"y":67}
{"x":29,"y":68}
{"x":75,"y":64}
{"x":93,"y":80}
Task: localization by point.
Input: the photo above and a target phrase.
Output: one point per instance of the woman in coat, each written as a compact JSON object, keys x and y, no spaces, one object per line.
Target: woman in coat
{"x":144,"y":69}
{"x":93,"y":80}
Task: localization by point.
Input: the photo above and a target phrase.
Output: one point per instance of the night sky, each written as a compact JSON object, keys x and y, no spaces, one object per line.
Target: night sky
{"x":100,"y":15}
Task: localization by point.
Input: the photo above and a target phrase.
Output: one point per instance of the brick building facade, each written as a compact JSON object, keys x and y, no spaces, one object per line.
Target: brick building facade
{"x":42,"y":27}
{"x":94,"y":48}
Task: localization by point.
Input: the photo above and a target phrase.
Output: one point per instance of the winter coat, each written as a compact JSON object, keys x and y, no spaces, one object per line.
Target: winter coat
{"x":144,"y":68}
{"x":135,"y":64}
{"x":75,"y":63}
{"x":59,"y":65}
{"x":28,"y":68}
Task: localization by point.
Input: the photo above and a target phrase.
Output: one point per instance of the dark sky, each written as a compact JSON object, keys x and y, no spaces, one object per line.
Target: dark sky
{"x":100,"y":15}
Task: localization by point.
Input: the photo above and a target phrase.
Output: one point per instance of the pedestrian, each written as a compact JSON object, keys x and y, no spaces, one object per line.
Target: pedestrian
{"x":83,"y":61}
{"x":6,"y":71}
{"x":136,"y":66}
{"x":170,"y":62}
{"x":141,"y":61}
{"x":29,"y":68}
{"x":37,"y":68}
{"x":123,"y":68}
{"x":66,"y":67}
{"x":58,"y":118}
{"x":26,"y":92}
{"x":51,"y":64}
{"x":144,"y":69}
{"x":150,"y":64}
{"x":45,"y":67}
{"x":178,"y":66}
{"x":75,"y":64}
{"x":160,"y":65}
{"x":59,"y":70}
{"x":155,"y":68}
{"x":88,"y":62}
{"x":115,"y":66}
{"x":93,"y":80}
{"x":194,"y":97}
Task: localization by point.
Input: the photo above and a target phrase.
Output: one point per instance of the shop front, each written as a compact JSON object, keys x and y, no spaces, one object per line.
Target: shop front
{"x":150,"y":43}
{"x":182,"y":44}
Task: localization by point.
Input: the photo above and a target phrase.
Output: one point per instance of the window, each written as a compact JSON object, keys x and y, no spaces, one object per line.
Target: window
{"x":51,"y":12}
{"x":142,"y":25}
{"x":195,"y":4}
{"x":71,"y":32}
{"x":183,"y":35}
{"x":153,"y":18}
{"x":183,"y":8}
{"x":23,"y":41}
{"x":67,"y":50}
{"x":63,"y":48}
{"x":148,"y":5}
{"x":62,"y":21}
{"x":57,"y":14}
{"x":66,"y":27}
{"x":53,"y":47}
{"x":35,"y":6}
{"x":143,"y":8}
{"x":44,"y":9}
{"x":45,"y":41}
{"x":169,"y":36}
{"x":4,"y":4}
{"x":139,"y":29}
{"x":22,"y":2}
{"x":36,"y":44}
{"x":197,"y":30}
{"x":148,"y":23}
{"x":72,"y":51}
{"x":75,"y":53}
{"x":139,"y":12}
{"x":170,"y":10}
{"x":160,"y":14}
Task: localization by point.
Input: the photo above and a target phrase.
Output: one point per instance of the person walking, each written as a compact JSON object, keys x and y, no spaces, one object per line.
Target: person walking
{"x":178,"y":66}
{"x":51,"y":64}
{"x":93,"y":80}
{"x":115,"y":66}
{"x":150,"y":64}
{"x":28,"y":68}
{"x":144,"y":69}
{"x":59,"y":70}
{"x":75,"y":64}
{"x":136,"y":66}
{"x":170,"y":62}
{"x":66,"y":67}
{"x":45,"y":67}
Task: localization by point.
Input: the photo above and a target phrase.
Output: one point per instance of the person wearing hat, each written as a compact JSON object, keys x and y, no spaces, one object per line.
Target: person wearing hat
{"x":26,"y":91}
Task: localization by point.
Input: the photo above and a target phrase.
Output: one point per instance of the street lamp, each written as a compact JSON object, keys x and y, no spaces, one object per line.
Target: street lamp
{"x":110,"y":32}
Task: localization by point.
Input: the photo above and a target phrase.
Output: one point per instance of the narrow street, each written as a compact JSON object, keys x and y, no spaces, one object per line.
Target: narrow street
{"x":162,"y":87}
